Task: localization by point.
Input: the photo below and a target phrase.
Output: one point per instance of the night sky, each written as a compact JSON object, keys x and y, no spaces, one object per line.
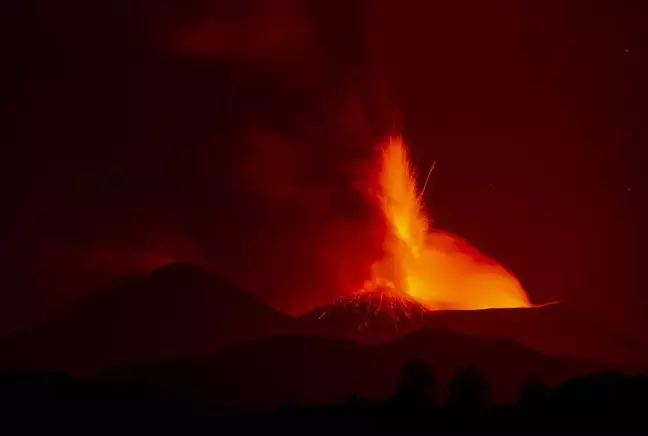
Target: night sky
{"x":241,"y":138}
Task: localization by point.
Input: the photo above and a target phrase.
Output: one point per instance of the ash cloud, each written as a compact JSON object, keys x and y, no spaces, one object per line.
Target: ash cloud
{"x":243,"y":132}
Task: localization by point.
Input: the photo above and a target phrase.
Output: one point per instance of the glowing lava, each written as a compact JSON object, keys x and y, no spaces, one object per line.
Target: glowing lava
{"x":436,"y":268}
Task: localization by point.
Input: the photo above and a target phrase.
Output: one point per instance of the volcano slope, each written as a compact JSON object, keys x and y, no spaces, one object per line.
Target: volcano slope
{"x":368,"y":317}
{"x":177,"y":311}
{"x":555,"y":329}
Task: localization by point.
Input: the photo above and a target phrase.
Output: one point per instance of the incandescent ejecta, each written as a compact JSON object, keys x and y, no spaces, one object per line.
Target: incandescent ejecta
{"x":438,"y":269}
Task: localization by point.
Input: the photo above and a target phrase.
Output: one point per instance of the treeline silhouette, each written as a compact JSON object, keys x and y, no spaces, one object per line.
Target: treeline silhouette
{"x":606,"y":403}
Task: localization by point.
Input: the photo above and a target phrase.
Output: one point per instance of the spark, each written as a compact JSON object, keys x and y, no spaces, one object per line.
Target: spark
{"x":426,"y":179}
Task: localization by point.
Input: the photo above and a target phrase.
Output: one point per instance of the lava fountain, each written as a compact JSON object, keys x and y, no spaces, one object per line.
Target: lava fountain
{"x":437,"y":269}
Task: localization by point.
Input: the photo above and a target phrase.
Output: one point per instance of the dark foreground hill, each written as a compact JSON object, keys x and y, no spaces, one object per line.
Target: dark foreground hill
{"x":174,"y":312}
{"x":300,"y":369}
{"x":36,"y":403}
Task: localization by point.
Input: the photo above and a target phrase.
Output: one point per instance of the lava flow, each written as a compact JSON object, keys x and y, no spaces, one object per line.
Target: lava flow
{"x":436,"y":268}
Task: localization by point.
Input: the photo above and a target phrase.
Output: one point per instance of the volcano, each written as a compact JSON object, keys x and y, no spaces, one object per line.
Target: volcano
{"x":429,"y":278}
{"x":369,"y":316}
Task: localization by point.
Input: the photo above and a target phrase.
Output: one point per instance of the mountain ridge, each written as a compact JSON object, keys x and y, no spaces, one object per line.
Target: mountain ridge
{"x":175,"y":311}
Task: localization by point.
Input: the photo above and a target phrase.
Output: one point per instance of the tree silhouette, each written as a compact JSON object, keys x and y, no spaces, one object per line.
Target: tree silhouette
{"x":354,"y":401}
{"x":533,"y":391}
{"x":416,"y":386}
{"x":468,"y":390}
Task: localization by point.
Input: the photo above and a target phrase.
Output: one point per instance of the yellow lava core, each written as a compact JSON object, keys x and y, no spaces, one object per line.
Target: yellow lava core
{"x":436,"y":268}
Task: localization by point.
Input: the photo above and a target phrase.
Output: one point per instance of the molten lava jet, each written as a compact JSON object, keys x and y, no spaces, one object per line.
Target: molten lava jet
{"x":436,"y":268}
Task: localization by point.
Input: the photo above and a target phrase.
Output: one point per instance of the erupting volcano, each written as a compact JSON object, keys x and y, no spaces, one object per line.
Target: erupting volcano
{"x":435,"y":268}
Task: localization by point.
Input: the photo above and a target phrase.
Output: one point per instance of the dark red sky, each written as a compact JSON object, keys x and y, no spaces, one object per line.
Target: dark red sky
{"x":239,"y":137}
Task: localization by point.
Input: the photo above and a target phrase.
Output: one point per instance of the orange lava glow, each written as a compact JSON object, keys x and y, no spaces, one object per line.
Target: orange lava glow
{"x":438,"y":269}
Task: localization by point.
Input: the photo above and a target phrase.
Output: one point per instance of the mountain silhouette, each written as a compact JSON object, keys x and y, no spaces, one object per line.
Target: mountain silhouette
{"x":553,"y":329}
{"x":308,"y":369}
{"x":176,"y":311}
